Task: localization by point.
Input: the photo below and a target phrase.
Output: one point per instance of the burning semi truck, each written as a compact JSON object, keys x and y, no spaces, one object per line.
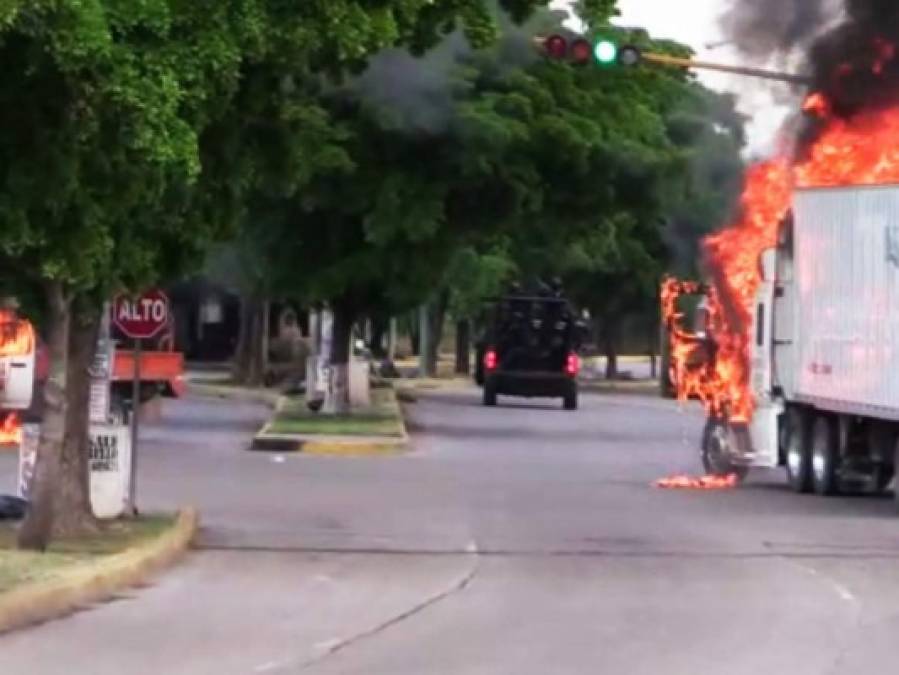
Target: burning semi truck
{"x":821,"y":351}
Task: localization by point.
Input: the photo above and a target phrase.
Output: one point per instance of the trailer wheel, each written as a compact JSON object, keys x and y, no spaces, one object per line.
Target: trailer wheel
{"x":825,"y":456}
{"x":798,"y":452}
{"x":719,"y":442}
{"x":489,"y":394}
{"x":896,"y":474}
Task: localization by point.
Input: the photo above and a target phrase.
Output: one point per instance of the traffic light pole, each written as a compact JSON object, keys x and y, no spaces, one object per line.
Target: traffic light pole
{"x":666,"y":60}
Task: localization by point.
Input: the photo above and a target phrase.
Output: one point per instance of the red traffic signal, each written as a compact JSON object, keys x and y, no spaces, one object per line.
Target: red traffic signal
{"x":556,"y":47}
{"x":559,"y":48}
{"x":581,"y":52}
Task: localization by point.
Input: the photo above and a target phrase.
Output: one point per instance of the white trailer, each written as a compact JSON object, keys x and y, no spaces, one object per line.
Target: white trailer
{"x":825,"y":350}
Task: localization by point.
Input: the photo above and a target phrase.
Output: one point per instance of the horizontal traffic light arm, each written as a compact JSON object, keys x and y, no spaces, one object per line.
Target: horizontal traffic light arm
{"x":665,"y":59}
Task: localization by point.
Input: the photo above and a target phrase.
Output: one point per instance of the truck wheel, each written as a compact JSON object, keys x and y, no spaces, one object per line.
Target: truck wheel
{"x":825,"y":456}
{"x":896,"y":475}
{"x":719,"y":443}
{"x":489,"y":394}
{"x":798,"y":452}
{"x":570,"y":402}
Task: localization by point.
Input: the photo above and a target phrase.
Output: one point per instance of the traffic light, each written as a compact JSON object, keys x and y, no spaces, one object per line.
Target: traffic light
{"x":629,"y":56}
{"x":606,"y":52}
{"x":581,"y":51}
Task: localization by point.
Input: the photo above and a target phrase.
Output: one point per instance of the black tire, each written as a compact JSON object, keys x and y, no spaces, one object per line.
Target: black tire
{"x":882,"y":441}
{"x":479,"y":365}
{"x":717,"y":438}
{"x":798,"y":452}
{"x":490,"y":394}
{"x":825,"y":456}
{"x":570,"y":400}
{"x":884,"y":480}
{"x":896,"y":474}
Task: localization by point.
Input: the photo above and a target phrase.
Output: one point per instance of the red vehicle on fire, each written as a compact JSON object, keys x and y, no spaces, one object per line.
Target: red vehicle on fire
{"x":25,"y":367}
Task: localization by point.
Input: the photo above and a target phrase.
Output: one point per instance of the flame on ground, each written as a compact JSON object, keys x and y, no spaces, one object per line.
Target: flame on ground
{"x":863,"y":150}
{"x":698,"y":483}
{"x":10,"y":430}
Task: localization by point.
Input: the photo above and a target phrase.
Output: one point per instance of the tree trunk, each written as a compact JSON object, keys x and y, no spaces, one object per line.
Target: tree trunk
{"x":37,"y":528}
{"x":251,"y":362}
{"x":463,"y":347}
{"x":339,"y":384}
{"x":436,"y":319}
{"x":73,"y":513}
{"x":261,"y":347}
{"x":379,"y":329}
{"x":414,"y":336}
{"x":240,"y":365}
{"x":610,"y":348}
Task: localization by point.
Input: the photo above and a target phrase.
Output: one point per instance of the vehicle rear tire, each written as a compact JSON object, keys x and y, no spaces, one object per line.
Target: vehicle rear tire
{"x":798,"y":452}
{"x":896,"y":475}
{"x":825,"y":456}
{"x":717,"y":438}
{"x":570,"y":401}
{"x":490,"y":394}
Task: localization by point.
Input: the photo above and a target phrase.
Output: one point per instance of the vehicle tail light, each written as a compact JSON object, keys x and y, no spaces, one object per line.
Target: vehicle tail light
{"x":491,"y":360}
{"x":573,"y":365}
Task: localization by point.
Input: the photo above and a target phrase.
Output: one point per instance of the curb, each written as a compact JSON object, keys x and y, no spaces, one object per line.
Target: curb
{"x":269,"y":398}
{"x":645,"y":388}
{"x":286,"y":445}
{"x":332,"y":447}
{"x":94,"y":582}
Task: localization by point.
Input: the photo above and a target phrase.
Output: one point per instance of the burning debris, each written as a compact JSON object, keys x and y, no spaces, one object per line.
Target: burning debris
{"x":10,"y":429}
{"x":699,"y":483}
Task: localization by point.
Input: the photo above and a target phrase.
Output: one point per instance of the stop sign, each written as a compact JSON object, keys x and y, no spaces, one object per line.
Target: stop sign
{"x":143,"y":317}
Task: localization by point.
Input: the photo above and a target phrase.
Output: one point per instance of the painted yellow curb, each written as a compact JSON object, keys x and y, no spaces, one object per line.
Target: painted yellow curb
{"x":93,"y":582}
{"x":333,"y":449}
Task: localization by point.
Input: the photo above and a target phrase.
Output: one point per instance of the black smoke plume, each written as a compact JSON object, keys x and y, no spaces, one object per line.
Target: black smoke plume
{"x":850,"y":48}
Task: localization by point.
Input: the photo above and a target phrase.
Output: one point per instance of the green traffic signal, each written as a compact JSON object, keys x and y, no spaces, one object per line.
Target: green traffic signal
{"x":606,"y":52}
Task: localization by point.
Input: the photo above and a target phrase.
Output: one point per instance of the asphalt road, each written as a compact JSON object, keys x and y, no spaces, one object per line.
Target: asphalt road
{"x":521,"y":540}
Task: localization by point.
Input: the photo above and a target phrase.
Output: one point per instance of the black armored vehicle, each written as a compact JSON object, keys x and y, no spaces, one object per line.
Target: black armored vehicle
{"x":529,"y":348}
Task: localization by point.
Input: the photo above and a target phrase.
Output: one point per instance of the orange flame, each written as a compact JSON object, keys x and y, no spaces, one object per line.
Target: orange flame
{"x":16,"y":335}
{"x":699,"y":483}
{"x":863,"y":150}
{"x":10,"y":430}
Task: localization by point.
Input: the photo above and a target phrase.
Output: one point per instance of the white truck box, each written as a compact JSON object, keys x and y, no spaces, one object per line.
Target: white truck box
{"x":845,"y":323}
{"x":16,"y":381}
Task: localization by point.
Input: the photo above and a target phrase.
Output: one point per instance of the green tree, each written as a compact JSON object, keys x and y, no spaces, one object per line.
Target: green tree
{"x":97,"y":143}
{"x":137,"y":132}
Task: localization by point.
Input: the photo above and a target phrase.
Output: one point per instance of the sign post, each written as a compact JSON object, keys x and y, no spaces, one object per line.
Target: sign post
{"x":139,"y":319}
{"x":135,"y":421}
